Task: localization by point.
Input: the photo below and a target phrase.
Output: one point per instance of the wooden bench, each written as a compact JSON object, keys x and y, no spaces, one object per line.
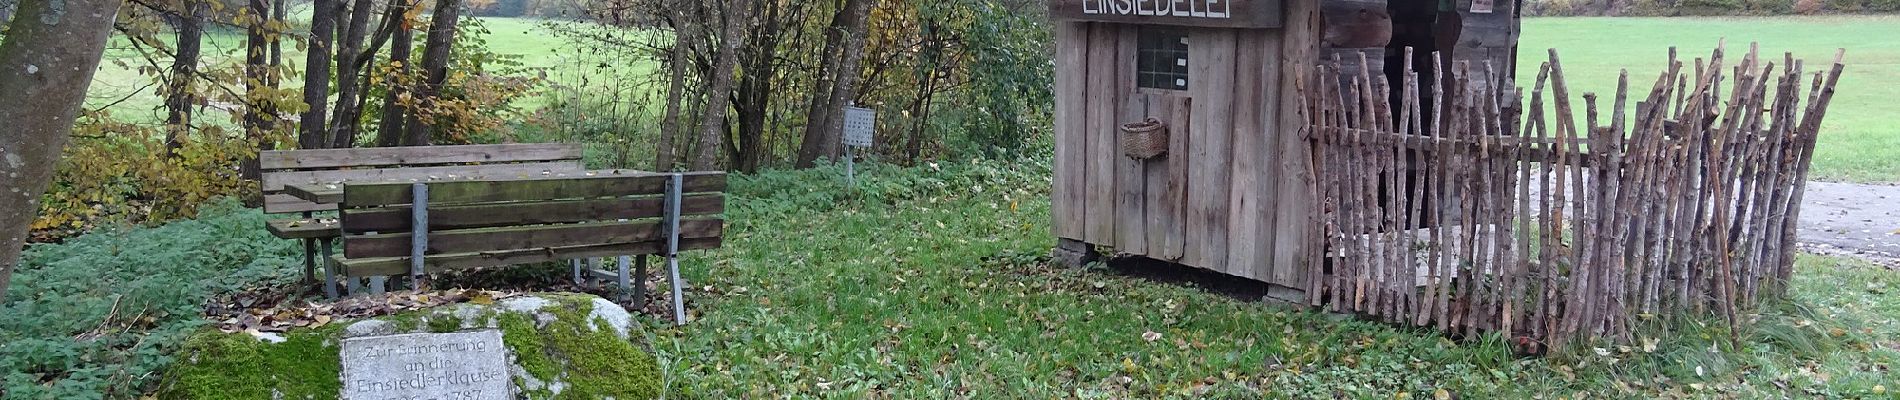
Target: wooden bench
{"x":485,"y":223}
{"x":283,"y":168}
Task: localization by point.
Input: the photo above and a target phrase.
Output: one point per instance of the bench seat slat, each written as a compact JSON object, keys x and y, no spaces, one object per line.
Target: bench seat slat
{"x":387,"y":266}
{"x":303,"y":228}
{"x":396,"y":219}
{"x":525,"y":237}
{"x":417,"y":155}
{"x":284,"y":203}
{"x":480,"y":191}
{"x":273,"y":182}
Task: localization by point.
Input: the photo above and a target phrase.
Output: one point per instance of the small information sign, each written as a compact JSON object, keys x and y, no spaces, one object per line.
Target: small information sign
{"x":859,"y":123}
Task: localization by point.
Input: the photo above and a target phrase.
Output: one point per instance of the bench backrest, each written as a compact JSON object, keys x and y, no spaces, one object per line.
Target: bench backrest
{"x":394,"y":164}
{"x":501,"y":222}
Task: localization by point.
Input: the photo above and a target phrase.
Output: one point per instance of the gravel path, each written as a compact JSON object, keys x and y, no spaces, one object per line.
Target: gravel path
{"x":1852,"y":219}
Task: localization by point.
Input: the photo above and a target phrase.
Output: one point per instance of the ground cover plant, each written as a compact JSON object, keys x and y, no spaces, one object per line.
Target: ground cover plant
{"x":100,"y":315}
{"x":931,"y":282}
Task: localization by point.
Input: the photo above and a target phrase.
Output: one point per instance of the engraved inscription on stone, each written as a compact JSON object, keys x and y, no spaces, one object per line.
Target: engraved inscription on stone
{"x":427,"y":366}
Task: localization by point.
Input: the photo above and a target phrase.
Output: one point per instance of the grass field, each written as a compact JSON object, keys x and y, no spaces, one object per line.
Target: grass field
{"x":131,"y":97}
{"x":1859,"y":142}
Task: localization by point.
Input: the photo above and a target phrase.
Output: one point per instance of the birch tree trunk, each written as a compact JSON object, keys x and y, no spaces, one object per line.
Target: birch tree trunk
{"x":49,"y":55}
{"x":719,"y":93}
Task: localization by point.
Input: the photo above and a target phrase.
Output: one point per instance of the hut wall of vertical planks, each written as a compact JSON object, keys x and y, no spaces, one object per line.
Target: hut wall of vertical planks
{"x":1234,"y":193}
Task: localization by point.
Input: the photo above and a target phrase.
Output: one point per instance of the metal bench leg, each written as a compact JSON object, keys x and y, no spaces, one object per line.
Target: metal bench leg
{"x":588,"y":278}
{"x":310,"y":261}
{"x":625,"y":279}
{"x":640,"y":282}
{"x":418,"y":237}
{"x":576,"y":264}
{"x":673,"y":188}
{"x":329,"y":270}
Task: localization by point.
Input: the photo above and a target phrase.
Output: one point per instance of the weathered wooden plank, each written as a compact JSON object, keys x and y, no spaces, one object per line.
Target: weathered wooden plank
{"x":478,"y":191}
{"x":1068,"y":197}
{"x":1175,"y":204}
{"x":1130,"y":178}
{"x":1156,"y":214}
{"x":417,"y":155}
{"x":1211,"y":56}
{"x":395,"y":219}
{"x":327,"y":194}
{"x":1102,"y":152}
{"x":1197,"y":13}
{"x":285,"y":203}
{"x":1249,"y":254}
{"x":525,"y":237}
{"x":1296,"y":228}
{"x":302,"y":228}
{"x":274,"y":182}
{"x":390,"y":266}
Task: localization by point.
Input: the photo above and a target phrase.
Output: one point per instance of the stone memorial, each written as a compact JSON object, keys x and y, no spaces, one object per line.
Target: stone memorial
{"x":427,"y":366}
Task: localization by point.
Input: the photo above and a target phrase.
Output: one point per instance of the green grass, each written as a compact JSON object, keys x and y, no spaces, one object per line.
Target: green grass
{"x":932,"y":284}
{"x":1860,"y":142}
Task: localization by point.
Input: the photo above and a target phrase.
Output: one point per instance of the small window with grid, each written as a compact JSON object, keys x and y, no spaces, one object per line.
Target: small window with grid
{"x":1162,"y":59}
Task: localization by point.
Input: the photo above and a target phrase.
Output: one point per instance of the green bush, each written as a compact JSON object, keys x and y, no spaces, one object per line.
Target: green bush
{"x":99,"y":315}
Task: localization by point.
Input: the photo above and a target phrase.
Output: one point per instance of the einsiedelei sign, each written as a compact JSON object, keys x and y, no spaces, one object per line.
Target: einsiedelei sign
{"x":1203,"y":13}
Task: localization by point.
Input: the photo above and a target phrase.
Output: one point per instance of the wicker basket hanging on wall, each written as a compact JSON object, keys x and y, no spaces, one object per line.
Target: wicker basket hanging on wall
{"x":1144,"y":140}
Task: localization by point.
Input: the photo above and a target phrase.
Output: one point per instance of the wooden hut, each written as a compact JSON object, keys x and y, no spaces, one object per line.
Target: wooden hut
{"x":1233,"y":191}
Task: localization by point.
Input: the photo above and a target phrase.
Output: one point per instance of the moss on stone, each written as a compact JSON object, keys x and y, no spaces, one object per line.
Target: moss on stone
{"x":519,"y":334}
{"x":218,"y":365}
{"x":600,"y":364}
{"x":583,"y":354}
{"x":443,"y":323}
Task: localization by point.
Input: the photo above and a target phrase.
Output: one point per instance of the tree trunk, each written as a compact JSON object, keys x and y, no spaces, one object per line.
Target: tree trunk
{"x":49,"y":56}
{"x":675,"y":87}
{"x":277,"y":46}
{"x":390,"y":128}
{"x":260,"y":117}
{"x":836,"y":80}
{"x":180,"y":98}
{"x":435,"y":66}
{"x":316,"y":75}
{"x":755,"y":93}
{"x":719,"y":93}
{"x":343,"y":124}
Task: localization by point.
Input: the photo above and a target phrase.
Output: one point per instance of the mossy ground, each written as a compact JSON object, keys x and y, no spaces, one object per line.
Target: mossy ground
{"x":584,"y":354}
{"x":218,"y":365}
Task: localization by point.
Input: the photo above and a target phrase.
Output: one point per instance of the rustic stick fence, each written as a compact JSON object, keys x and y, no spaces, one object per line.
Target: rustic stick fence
{"x":1459,"y":209}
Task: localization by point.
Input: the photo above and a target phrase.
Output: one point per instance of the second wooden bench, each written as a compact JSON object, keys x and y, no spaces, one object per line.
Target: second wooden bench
{"x":420,"y":228}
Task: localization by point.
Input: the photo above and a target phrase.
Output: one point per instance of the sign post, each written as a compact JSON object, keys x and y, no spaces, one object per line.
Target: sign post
{"x":859,"y":125}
